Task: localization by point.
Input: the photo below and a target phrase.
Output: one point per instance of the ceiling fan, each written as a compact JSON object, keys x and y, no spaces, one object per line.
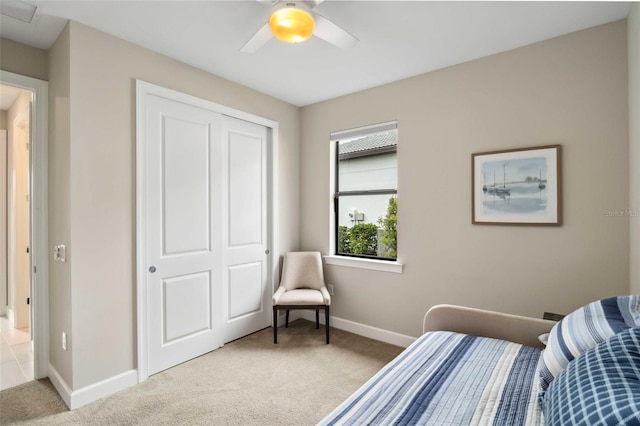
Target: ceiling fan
{"x":295,"y":22}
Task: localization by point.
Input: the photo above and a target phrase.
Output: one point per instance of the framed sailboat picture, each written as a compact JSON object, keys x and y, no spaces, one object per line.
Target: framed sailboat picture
{"x":517,"y":187}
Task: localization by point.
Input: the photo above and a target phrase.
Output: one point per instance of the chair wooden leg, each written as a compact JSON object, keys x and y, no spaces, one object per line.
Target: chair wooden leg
{"x":317,"y":309}
{"x":326,"y":322}
{"x":275,"y":325}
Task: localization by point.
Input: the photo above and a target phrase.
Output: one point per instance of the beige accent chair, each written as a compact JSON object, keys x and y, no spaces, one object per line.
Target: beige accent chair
{"x":302,"y":286}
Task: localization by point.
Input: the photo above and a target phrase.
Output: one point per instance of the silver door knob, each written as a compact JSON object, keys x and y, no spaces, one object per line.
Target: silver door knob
{"x":152,"y":269}
{"x":266,"y":251}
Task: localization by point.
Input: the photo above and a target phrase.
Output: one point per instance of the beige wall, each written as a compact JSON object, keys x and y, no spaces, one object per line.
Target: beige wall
{"x":570,"y":90}
{"x":3,"y":120}
{"x":22,"y":59}
{"x":100,"y":215}
{"x":60,"y":314}
{"x":633,"y":31}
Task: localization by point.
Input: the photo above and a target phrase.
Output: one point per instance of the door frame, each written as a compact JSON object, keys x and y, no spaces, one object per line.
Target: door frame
{"x":144,"y":89}
{"x":39,"y":273}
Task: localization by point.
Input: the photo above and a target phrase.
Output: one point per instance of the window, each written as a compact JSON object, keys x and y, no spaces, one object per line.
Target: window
{"x":365,"y":197}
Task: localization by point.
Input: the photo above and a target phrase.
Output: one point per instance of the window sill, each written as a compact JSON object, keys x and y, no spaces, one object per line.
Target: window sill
{"x":372,"y":264}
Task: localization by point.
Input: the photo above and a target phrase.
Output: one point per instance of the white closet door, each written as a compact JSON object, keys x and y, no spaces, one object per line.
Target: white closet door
{"x":184,"y":232}
{"x":203,"y":227}
{"x":247,"y":295}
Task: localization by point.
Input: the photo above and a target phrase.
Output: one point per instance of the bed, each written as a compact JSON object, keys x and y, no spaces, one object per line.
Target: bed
{"x":447,"y":378}
{"x":471,"y":367}
{"x":478,"y":367}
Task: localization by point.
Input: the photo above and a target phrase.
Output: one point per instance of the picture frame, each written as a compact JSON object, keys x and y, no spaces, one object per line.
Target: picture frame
{"x":517,"y":187}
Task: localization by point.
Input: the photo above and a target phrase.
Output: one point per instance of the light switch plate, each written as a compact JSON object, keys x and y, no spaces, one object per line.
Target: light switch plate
{"x":62,"y":253}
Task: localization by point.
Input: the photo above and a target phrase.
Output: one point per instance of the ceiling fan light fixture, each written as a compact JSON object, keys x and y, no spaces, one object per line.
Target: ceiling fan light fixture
{"x":291,"y":23}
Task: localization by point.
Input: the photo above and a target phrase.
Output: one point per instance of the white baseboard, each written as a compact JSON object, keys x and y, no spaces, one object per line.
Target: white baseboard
{"x":78,"y":398}
{"x":61,"y":386}
{"x":376,"y":333}
{"x":103,"y":388}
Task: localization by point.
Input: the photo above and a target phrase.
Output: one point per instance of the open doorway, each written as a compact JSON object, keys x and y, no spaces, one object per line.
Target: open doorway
{"x":16,"y":339}
{"x":24,"y":309}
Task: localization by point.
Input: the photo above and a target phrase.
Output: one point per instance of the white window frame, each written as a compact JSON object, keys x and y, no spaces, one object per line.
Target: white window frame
{"x":339,"y":260}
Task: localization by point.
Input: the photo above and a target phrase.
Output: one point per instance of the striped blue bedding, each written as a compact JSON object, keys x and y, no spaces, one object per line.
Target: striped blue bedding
{"x":447,"y":378}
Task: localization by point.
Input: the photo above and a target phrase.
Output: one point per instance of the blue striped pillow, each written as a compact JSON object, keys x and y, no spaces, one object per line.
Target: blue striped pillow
{"x":583,"y":329}
{"x":601,"y":387}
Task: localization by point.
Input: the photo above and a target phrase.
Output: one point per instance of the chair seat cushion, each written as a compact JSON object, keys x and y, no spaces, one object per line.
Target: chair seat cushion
{"x":301,"y":297}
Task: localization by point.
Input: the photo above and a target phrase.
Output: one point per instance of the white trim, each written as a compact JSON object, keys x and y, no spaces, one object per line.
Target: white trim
{"x":141,"y":214}
{"x":358,"y":262}
{"x":78,"y":398}
{"x":363,"y":131}
{"x":61,"y":386}
{"x":375,"y":333}
{"x":273,"y":212}
{"x":103,"y":388}
{"x":143,"y":89}
{"x":333,"y":215}
{"x":39,"y":215}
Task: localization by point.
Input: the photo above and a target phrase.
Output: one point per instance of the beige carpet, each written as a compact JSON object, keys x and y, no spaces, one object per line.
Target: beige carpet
{"x":249,"y":381}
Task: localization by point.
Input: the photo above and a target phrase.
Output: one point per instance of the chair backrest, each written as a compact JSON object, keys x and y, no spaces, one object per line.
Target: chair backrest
{"x":302,"y":269}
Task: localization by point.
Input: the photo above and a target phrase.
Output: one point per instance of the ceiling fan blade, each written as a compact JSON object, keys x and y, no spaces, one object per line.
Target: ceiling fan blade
{"x":314,"y":3}
{"x":330,"y":32}
{"x":258,"y":40}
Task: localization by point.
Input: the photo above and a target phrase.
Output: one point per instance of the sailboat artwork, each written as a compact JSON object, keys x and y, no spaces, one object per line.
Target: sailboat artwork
{"x":518,"y":186}
{"x":541,"y":185}
{"x":500,"y":191}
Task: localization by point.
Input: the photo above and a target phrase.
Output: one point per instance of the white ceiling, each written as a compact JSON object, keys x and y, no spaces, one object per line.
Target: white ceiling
{"x":398,"y":39}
